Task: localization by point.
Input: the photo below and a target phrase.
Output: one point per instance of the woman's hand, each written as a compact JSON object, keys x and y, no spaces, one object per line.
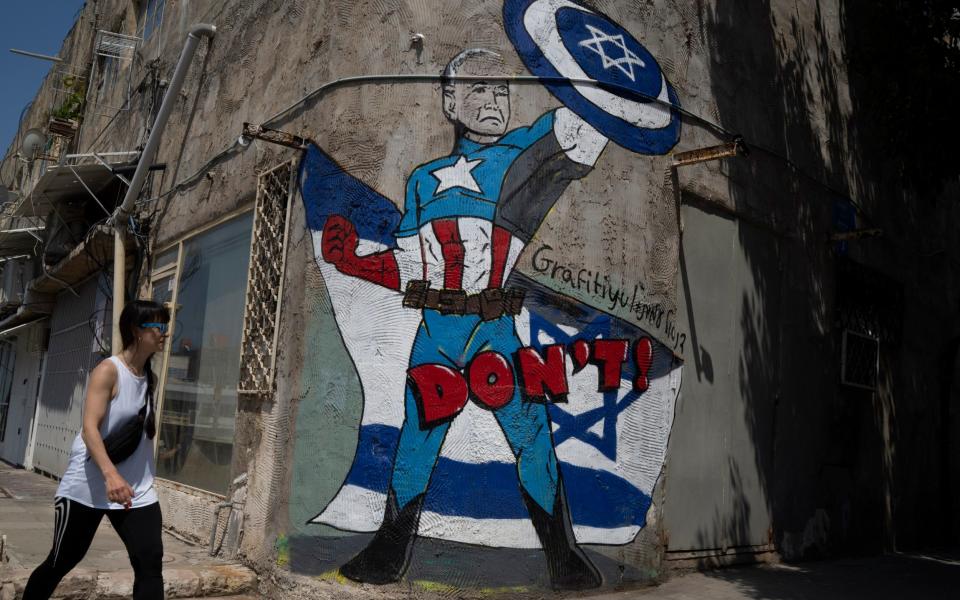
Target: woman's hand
{"x":118,"y":490}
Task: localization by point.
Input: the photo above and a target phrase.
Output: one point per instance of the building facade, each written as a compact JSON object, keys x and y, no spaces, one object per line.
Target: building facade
{"x":506,"y":294}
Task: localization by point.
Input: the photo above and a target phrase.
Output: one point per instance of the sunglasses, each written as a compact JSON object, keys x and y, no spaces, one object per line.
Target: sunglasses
{"x":161,"y":327}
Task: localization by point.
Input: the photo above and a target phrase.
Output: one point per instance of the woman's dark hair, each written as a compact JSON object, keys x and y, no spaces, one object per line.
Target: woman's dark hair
{"x":136,"y":313}
{"x":133,"y":315}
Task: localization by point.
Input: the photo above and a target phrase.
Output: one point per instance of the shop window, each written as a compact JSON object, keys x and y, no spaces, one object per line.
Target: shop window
{"x":110,"y":67}
{"x":204,"y":285}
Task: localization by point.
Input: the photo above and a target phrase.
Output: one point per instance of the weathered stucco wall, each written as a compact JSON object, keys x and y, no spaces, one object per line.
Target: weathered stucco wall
{"x":767,"y":450}
{"x":616,"y":225}
{"x":379,"y":134}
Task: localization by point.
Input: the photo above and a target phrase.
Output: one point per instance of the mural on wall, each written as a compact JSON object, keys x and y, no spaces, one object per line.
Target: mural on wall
{"x":497,"y":412}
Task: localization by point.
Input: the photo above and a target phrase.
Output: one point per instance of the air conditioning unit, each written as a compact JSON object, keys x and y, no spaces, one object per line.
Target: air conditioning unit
{"x":16,"y":274}
{"x":860,"y":360}
{"x":38,"y":337}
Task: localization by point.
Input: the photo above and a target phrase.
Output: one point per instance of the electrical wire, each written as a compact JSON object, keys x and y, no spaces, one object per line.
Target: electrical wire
{"x":126,"y":103}
{"x":716,"y":129}
{"x":799,"y":170}
{"x":92,"y":322}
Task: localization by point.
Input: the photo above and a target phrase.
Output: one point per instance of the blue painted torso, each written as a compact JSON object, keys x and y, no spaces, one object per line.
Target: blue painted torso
{"x":430,"y":197}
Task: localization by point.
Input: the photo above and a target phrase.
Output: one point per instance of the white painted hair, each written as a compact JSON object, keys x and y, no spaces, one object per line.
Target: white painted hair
{"x":450,"y":71}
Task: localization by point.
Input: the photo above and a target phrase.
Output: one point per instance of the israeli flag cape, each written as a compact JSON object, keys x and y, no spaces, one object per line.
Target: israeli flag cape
{"x":611,"y":446}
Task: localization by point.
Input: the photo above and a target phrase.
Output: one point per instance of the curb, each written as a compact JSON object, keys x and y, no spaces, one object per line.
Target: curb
{"x":190,"y":582}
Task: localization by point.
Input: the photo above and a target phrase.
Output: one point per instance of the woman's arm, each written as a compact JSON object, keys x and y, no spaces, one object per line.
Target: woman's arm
{"x":99,"y":392}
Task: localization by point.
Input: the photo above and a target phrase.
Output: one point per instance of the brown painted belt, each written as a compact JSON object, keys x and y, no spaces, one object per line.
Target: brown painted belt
{"x":490,"y":304}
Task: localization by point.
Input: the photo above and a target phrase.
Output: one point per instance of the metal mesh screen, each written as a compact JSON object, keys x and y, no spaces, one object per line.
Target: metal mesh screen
{"x":869,"y":316}
{"x":860,"y":363}
{"x":111,"y":76}
{"x":116,"y":45}
{"x":265,"y":280}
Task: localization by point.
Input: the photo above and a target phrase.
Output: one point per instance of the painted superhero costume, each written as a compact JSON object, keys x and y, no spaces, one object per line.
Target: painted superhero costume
{"x":467,"y":218}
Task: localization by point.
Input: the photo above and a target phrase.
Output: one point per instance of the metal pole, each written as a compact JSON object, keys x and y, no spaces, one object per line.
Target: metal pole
{"x":119,"y":283}
{"x":36,"y":55}
{"x":119,"y":217}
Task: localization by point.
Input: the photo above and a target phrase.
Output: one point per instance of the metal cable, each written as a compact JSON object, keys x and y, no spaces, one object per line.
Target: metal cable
{"x":717,"y":129}
{"x":427,"y":78}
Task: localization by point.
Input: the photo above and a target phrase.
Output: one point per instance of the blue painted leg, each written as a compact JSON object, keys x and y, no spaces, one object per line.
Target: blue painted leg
{"x":526,"y":426}
{"x":386,"y":557}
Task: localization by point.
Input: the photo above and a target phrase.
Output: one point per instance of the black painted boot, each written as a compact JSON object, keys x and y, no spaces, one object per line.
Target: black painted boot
{"x":569,"y":567}
{"x":386,"y":557}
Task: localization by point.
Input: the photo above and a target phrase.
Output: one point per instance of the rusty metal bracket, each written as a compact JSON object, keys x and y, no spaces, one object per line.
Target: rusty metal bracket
{"x":274,"y":136}
{"x":691,"y":157}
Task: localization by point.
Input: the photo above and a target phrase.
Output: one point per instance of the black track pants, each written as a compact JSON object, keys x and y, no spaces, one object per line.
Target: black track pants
{"x":74,"y":527}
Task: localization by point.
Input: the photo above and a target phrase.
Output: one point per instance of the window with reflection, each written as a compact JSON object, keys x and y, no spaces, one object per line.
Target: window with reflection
{"x":151,"y":17}
{"x":199,"y":405}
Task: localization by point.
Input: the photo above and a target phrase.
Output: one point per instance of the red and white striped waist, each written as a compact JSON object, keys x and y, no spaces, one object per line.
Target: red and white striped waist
{"x":462,"y":253}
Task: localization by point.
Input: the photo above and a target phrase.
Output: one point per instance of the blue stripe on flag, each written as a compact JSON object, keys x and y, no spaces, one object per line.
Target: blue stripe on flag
{"x":329,"y":190}
{"x":492,"y":490}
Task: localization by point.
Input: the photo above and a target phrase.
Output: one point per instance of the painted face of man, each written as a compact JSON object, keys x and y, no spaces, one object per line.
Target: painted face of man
{"x":482,"y":107}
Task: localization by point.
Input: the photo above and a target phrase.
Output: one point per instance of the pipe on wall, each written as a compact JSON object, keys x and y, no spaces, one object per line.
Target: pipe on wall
{"x":120,"y":215}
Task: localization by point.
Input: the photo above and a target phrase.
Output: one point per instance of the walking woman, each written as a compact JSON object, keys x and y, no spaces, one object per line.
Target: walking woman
{"x":111,"y":464}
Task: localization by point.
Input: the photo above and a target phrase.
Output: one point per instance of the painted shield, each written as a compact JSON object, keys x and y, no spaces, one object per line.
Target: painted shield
{"x":559,"y":39}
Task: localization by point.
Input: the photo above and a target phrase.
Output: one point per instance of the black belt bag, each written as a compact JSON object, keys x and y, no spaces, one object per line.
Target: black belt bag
{"x":125,"y":440}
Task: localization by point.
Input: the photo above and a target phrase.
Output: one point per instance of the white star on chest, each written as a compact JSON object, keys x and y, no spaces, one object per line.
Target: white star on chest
{"x":457,"y":175}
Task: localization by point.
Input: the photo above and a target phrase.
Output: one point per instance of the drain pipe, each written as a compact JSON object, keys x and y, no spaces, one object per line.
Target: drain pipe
{"x":119,"y":217}
{"x":216,"y":523}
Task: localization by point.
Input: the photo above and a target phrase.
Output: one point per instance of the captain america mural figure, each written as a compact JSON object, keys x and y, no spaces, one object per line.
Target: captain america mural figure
{"x":467,"y":216}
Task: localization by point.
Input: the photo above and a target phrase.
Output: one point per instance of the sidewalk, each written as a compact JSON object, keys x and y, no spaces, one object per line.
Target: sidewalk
{"x":26,"y":524}
{"x":892,"y":577}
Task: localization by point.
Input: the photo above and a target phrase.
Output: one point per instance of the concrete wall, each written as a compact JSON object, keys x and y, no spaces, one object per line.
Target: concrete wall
{"x":348,"y":408}
{"x":768,"y":451}
{"x":818,"y":467}
{"x":379,"y":134}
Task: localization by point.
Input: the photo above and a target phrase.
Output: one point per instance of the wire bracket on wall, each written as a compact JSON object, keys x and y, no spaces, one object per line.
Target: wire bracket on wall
{"x":274,"y":136}
{"x":691,"y":157}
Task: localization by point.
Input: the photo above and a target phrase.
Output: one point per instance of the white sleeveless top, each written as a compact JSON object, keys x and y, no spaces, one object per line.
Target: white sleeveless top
{"x":83,"y":482}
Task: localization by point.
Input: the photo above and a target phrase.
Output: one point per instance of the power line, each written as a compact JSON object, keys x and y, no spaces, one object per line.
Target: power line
{"x":716,"y":129}
{"x":321,"y":90}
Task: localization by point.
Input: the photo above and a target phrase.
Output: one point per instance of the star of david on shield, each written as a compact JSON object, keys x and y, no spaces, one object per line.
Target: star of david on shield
{"x":631,"y":101}
{"x":624,"y":63}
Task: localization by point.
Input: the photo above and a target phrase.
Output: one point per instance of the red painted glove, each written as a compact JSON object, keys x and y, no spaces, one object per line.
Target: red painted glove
{"x":339,"y":241}
{"x":339,"y":248}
